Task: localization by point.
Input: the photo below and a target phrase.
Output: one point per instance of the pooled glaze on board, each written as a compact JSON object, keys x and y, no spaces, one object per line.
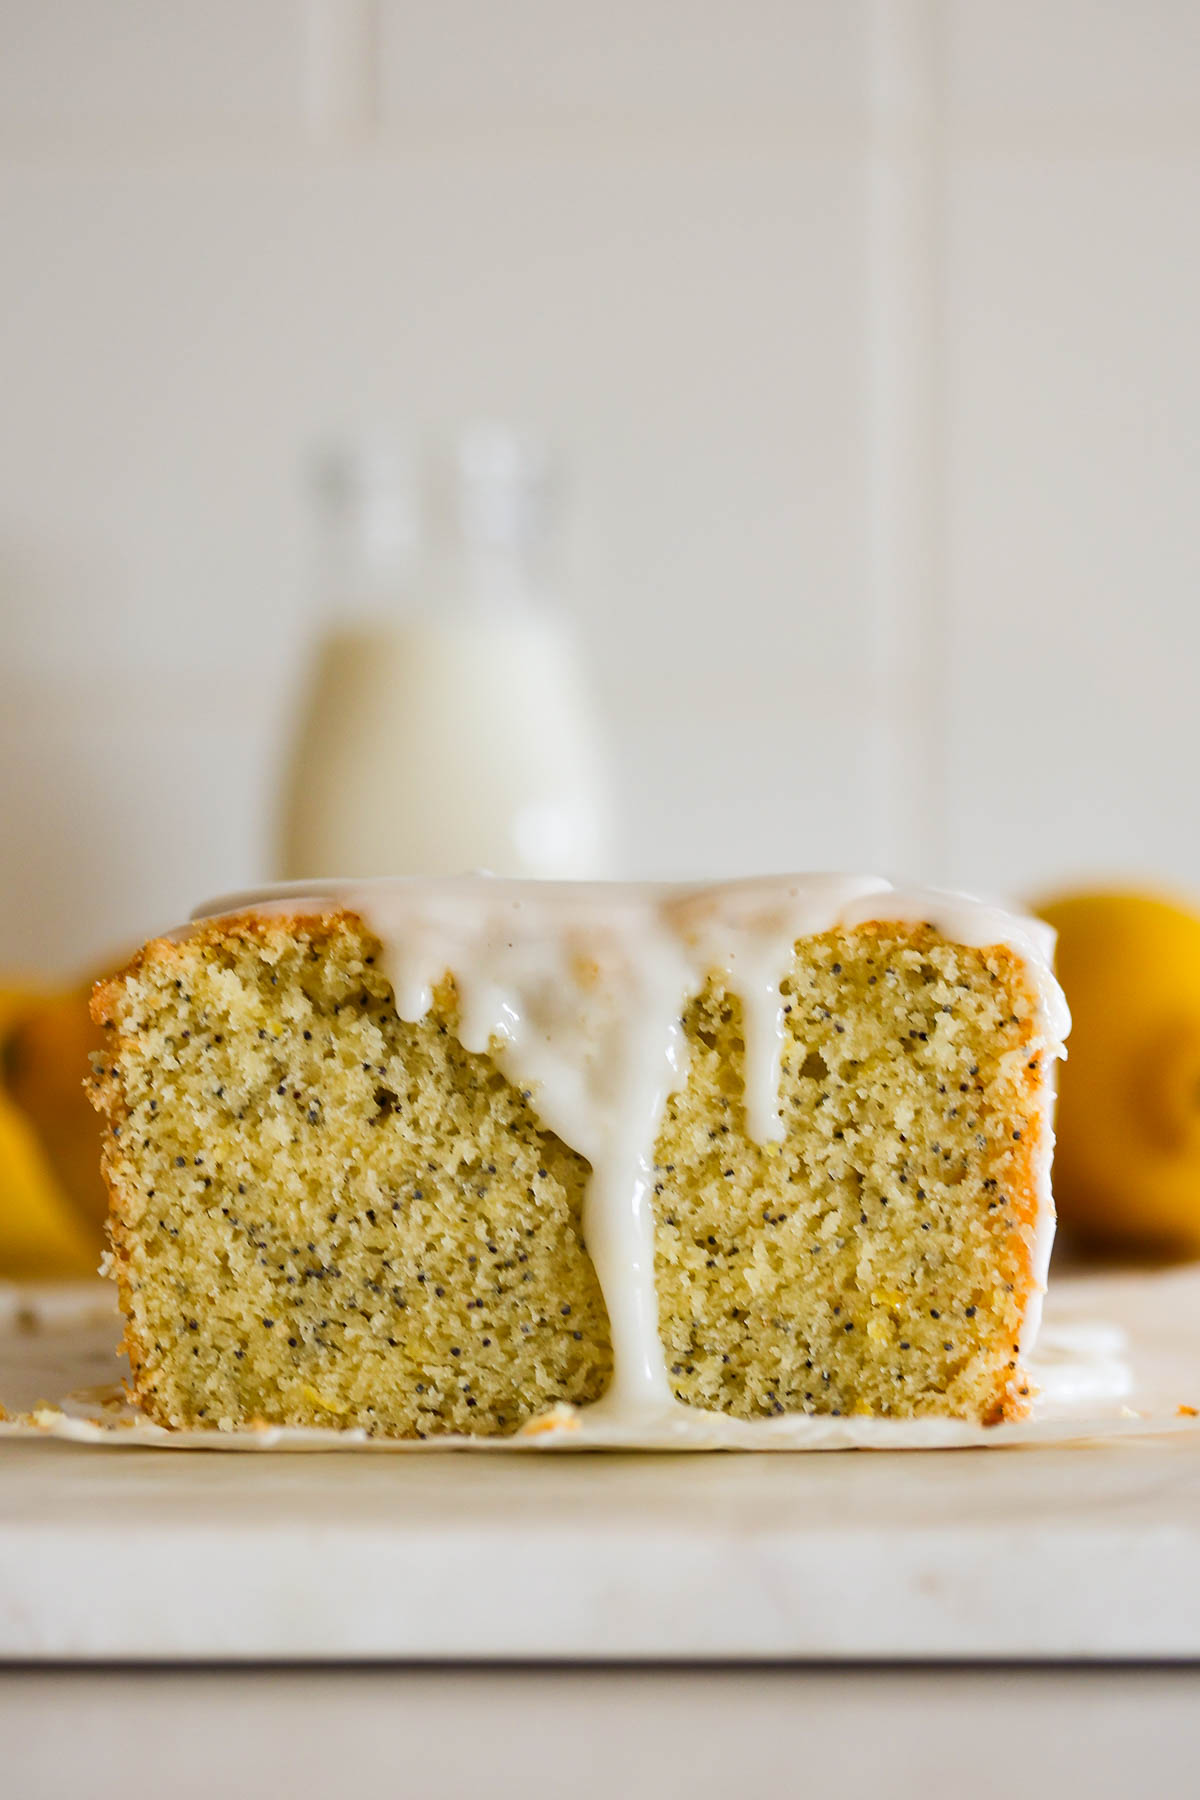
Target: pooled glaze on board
{"x":578,"y":991}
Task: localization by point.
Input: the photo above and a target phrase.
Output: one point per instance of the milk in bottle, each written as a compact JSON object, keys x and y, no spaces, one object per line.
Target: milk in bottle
{"x":446,"y":725}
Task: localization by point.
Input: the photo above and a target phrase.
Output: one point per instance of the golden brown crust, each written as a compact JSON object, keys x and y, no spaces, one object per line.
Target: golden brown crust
{"x":1025,"y":1199}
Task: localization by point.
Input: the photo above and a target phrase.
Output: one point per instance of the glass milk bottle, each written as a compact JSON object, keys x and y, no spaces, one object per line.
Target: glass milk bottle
{"x":446,"y":725}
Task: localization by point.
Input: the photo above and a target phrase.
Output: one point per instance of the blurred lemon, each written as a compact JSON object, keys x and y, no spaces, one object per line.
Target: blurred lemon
{"x":1127,"y":1167}
{"x":51,"y":1194}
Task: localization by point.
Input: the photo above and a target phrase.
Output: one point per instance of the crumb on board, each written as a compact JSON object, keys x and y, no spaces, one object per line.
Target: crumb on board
{"x":559,"y":1418}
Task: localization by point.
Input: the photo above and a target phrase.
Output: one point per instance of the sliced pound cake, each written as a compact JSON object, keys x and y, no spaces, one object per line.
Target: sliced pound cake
{"x":431,"y":1157}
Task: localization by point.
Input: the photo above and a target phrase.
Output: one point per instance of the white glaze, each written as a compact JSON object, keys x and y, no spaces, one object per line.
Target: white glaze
{"x":578,"y":992}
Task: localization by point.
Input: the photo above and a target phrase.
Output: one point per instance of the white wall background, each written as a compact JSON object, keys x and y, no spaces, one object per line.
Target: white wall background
{"x":870,"y":327}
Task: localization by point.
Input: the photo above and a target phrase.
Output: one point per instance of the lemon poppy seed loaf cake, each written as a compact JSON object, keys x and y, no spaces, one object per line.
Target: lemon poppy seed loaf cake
{"x":433,"y":1157}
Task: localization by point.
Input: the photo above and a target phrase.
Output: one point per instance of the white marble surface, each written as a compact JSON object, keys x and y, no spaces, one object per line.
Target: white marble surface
{"x":1083,"y":1552}
{"x":602,"y":1734}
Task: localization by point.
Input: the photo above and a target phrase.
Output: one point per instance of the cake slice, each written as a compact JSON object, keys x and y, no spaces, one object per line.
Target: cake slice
{"x":429,"y":1157}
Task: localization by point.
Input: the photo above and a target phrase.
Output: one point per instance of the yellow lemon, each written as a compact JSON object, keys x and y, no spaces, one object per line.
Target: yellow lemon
{"x":1127,"y":1167}
{"x":41,"y":1235}
{"x":17,"y":1001}
{"x":45,"y":1071}
{"x":50,"y":1188}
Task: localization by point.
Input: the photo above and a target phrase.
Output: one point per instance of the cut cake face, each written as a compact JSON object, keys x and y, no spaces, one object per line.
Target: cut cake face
{"x":432,"y":1158}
